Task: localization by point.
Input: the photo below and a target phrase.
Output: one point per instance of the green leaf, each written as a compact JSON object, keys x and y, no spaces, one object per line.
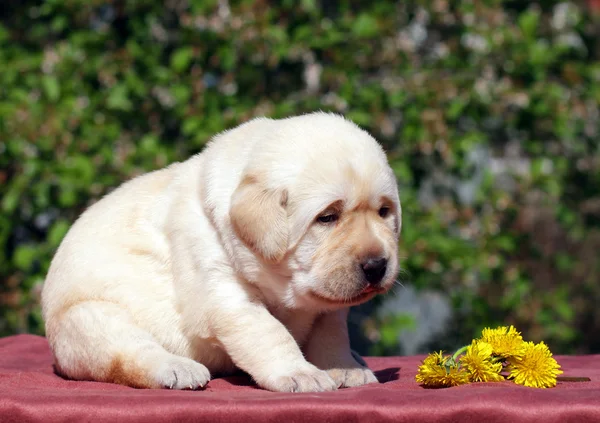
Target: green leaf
{"x":456,"y":108}
{"x":360,"y":117}
{"x":181,"y":58}
{"x":365,"y":26}
{"x":190,"y":125}
{"x":24,"y":256}
{"x":57,"y":232}
{"x":529,"y":21}
{"x":4,"y":34}
{"x":51,"y":87}
{"x":118,"y":98}
{"x":67,"y":196}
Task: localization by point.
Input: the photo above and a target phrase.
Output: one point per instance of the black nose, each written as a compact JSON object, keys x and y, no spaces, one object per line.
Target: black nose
{"x":374,"y":269}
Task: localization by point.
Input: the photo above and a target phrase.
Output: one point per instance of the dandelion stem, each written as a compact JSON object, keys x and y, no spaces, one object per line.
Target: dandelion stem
{"x":459,"y":352}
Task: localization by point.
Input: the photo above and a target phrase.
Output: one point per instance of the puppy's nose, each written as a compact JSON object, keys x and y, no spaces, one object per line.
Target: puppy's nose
{"x":374,"y":269}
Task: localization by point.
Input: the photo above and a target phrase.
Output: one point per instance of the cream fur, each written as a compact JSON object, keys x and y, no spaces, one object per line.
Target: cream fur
{"x":219,"y":262}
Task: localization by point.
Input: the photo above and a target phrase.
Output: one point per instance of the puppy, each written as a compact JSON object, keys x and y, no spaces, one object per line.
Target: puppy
{"x":247,"y":255}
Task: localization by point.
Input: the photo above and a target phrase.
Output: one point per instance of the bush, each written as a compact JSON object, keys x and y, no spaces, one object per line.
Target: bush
{"x":489,"y":112}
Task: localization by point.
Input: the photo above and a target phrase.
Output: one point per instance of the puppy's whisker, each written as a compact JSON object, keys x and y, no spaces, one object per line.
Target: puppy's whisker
{"x":398,"y":283}
{"x":396,"y":289}
{"x":403,"y":272}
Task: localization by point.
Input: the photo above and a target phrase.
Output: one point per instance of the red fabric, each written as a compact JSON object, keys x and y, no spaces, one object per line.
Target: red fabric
{"x":30,"y":391}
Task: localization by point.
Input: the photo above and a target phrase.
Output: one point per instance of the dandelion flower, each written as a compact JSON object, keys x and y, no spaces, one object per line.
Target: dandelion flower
{"x":480,"y":364}
{"x":535,"y":367}
{"x":438,"y":371}
{"x":505,"y":341}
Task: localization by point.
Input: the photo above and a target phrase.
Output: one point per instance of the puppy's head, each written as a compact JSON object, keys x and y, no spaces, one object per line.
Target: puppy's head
{"x":319,"y":204}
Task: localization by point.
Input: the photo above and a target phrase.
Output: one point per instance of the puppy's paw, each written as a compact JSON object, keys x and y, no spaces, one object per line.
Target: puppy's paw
{"x":347,"y":378}
{"x":301,"y":379}
{"x":181,"y":373}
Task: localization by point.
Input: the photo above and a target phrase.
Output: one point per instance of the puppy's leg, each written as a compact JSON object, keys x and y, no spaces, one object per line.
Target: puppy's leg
{"x":260,"y":344}
{"x":358,"y":358}
{"x":98,"y":340}
{"x":328,"y":348}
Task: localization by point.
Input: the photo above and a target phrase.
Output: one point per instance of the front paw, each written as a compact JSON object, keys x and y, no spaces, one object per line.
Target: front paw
{"x":347,"y":378}
{"x":305,"y":378}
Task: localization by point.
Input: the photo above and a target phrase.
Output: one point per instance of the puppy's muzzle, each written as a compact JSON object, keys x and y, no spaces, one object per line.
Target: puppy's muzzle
{"x":374,"y":270}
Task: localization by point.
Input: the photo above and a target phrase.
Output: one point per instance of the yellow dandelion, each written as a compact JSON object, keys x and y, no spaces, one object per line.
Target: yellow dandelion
{"x":439,"y":371}
{"x":480,"y":364}
{"x":505,"y":341}
{"x":535,"y":367}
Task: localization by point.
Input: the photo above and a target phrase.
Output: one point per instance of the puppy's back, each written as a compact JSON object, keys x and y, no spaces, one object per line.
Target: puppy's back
{"x":87,"y":264}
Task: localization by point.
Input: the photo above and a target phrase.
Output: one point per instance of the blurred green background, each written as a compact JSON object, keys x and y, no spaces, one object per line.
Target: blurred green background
{"x":489,"y":111}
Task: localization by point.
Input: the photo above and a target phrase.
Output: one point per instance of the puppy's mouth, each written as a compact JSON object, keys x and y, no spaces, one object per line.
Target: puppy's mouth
{"x":365,"y":295}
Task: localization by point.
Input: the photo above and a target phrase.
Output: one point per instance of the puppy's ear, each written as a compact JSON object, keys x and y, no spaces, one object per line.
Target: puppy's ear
{"x":398,"y":220}
{"x":259,"y":218}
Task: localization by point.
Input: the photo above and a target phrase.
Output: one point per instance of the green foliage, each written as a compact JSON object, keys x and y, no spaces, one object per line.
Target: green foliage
{"x":93,"y":93}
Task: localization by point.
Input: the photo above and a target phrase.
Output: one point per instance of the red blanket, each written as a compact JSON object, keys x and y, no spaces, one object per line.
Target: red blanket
{"x":30,"y":391}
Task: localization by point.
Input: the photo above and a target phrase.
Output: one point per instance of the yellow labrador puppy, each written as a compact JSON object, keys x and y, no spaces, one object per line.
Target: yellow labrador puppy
{"x":245,"y":256}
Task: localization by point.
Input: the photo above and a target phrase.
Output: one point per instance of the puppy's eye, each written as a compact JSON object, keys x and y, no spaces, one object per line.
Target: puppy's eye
{"x":384,"y":211}
{"x":327,"y":218}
